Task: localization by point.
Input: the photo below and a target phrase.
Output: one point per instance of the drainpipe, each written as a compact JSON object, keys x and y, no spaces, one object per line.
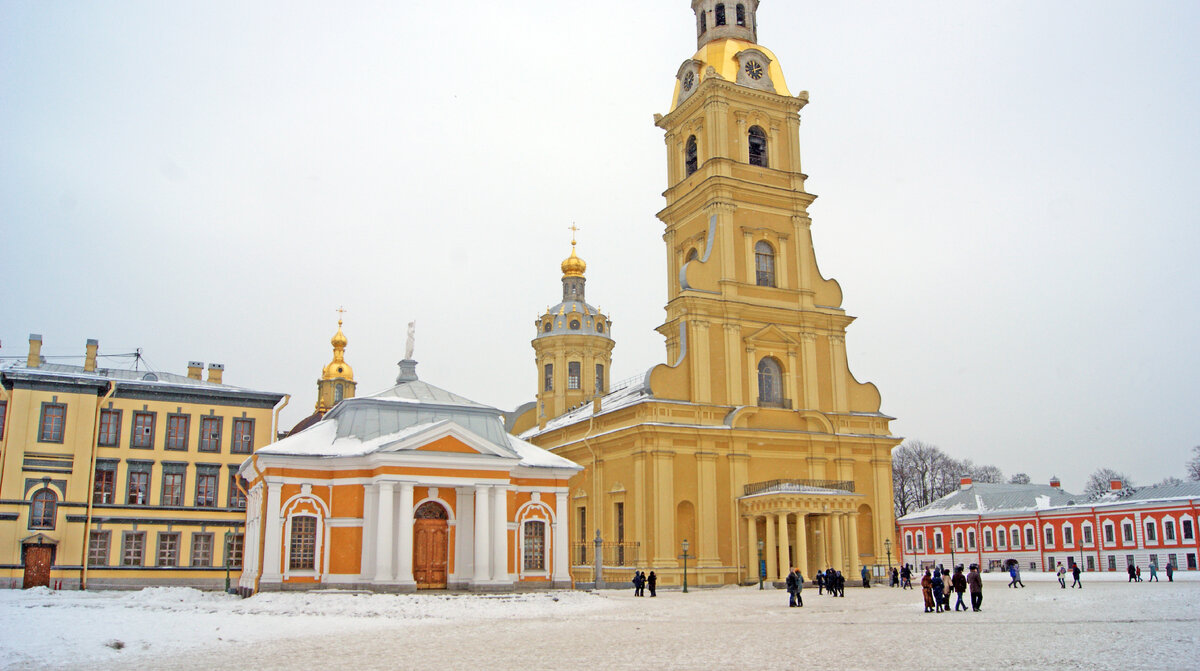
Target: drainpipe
{"x":87,"y":520}
{"x":275,"y":419}
{"x":4,"y":396}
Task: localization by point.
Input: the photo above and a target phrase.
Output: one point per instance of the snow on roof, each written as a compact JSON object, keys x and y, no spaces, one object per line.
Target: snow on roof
{"x":986,"y":497}
{"x":138,"y":377}
{"x":632,"y":392}
{"x":417,"y":391}
{"x":321,"y":440}
{"x":532,"y":455}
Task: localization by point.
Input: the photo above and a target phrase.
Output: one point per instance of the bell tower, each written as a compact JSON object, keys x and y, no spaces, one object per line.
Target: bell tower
{"x":573,"y":346}
{"x":750,"y":320}
{"x":337,"y":378}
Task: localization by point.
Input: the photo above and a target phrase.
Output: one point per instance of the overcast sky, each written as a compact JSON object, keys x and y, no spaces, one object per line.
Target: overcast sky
{"x":1006,"y":197}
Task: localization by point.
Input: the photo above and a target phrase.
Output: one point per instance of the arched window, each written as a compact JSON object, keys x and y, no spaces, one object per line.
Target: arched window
{"x":764,"y":264}
{"x":302,"y":555}
{"x":534,"y":541}
{"x":770,"y":382}
{"x":546,"y":327}
{"x":720,"y":15}
{"x":574,"y":324}
{"x":758,"y":147}
{"x":741,"y":14}
{"x":703,"y":23}
{"x":690,"y":157}
{"x":43,"y":510}
{"x":338,"y":392}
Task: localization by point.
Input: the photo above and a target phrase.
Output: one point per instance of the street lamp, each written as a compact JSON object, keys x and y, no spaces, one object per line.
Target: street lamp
{"x":684,"y":557}
{"x":887,"y":545}
{"x":760,"y":565}
{"x":228,"y":538}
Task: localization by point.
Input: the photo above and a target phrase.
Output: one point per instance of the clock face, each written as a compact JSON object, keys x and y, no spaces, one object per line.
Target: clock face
{"x":754,"y":69}
{"x":688,"y":81}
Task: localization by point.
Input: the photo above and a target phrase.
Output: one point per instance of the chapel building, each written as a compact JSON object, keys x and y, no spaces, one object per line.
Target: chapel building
{"x":754,"y":444}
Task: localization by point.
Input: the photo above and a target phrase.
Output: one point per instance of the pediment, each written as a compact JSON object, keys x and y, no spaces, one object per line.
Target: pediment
{"x":446,"y":437}
{"x":770,"y":335}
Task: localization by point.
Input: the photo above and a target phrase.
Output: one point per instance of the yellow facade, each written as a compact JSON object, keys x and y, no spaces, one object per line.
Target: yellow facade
{"x":755,"y":430}
{"x":172,"y":444}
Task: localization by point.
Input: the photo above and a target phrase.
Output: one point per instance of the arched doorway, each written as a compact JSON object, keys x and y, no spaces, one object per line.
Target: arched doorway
{"x":431,"y":544}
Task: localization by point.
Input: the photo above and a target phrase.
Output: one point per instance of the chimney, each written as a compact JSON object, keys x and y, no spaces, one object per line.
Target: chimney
{"x":35,"y":351}
{"x":1054,"y":482}
{"x":965,"y":482}
{"x":195,"y":368}
{"x":596,"y":406}
{"x":1115,"y":485}
{"x":89,"y":361}
{"x":215,"y":370}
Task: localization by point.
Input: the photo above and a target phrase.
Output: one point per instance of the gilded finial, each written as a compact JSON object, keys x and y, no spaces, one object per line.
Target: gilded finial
{"x":573,"y":266}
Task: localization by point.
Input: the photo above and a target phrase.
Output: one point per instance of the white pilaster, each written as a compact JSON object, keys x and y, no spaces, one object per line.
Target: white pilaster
{"x":404,"y":550}
{"x":500,"y":535}
{"x":384,"y":533}
{"x":562,"y":564}
{"x":464,"y":534}
{"x":483,"y":556}
{"x":370,"y":524}
{"x":272,"y":535}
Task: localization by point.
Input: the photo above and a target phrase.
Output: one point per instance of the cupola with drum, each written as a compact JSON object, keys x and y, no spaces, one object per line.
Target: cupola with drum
{"x":337,"y":378}
{"x":573,"y":346}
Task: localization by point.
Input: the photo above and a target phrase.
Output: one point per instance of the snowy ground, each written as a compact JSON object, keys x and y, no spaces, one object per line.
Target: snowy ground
{"x":1108,"y":624}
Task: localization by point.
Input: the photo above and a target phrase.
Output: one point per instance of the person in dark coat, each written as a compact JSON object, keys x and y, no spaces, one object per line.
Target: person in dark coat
{"x":895,"y":577}
{"x":652,"y":582}
{"x":1132,"y":575}
{"x":840,"y":584}
{"x":866,"y":577}
{"x":799,"y":588}
{"x":831,"y":581}
{"x":639,"y":579}
{"x":820,"y":582}
{"x":975,"y":584}
{"x":959,"y":583}
{"x":906,"y":577}
{"x":1075,"y":571}
{"x":791,"y":588}
{"x":935,"y":582}
{"x":1170,"y":572}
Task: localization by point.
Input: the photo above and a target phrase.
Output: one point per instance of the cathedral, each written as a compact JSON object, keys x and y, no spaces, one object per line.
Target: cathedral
{"x":753,"y":448}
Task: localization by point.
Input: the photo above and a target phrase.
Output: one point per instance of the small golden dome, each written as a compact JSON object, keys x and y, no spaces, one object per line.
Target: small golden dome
{"x":573,"y":266}
{"x":339,"y":339}
{"x":338,"y":368}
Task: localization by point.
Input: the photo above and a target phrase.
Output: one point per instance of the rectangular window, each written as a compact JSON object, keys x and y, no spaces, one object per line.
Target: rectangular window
{"x":54,"y":418}
{"x":168,"y":548}
{"x":987,"y":538}
{"x":1129,"y":560}
{"x":1191,"y":561}
{"x":1049,"y":536}
{"x":1016,"y":539}
{"x":237,"y":497}
{"x":619,"y":517}
{"x":233,"y":551}
{"x":1109,"y":536}
{"x":534,"y":552}
{"x":958,"y":541}
{"x":1001,"y":538}
{"x":581,"y":514}
{"x":210,"y":434}
{"x":573,"y":368}
{"x":243,"y":436}
{"x":143,"y":430}
{"x":971,"y":539}
{"x":1112,"y":562}
{"x":1169,"y":531}
{"x":98,"y":548}
{"x":1187,"y":530}
{"x":104,"y":486}
{"x":920,"y":542}
{"x":1127,"y":530}
{"x":110,"y":428}
{"x":1151,"y":532}
{"x":206,"y":489}
{"x":1029,"y":541}
{"x":1087,"y":535}
{"x":599,"y":378}
{"x":1050,"y":565}
{"x":1091,"y":563}
{"x":937,"y":542}
{"x":139,"y":488}
{"x":1171,"y":561}
{"x":133,"y":548}
{"x":172,"y":487}
{"x":1154,"y":560}
{"x":303,"y":547}
{"x":177,"y":431}
{"x":1068,"y":536}
{"x":908,"y":544}
{"x":202,"y":549}
{"x":548,"y":378}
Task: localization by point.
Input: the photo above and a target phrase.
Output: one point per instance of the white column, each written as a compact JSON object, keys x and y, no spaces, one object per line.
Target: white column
{"x":562,"y":564}
{"x":464,"y":533}
{"x":272,"y":535}
{"x":370,"y":522}
{"x":483,"y":564}
{"x":500,"y":534}
{"x":781,"y":541}
{"x":404,"y":526}
{"x":384,"y":538}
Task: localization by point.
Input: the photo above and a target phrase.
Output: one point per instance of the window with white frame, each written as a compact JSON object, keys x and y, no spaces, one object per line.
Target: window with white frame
{"x":1068,"y":535}
{"x":302,"y":553}
{"x":958,"y":540}
{"x":1087,"y":534}
{"x":908,"y":542}
{"x":1001,"y":538}
{"x":920,"y":542}
{"x":1151,"y":531}
{"x":1110,"y":533}
{"x":1188,"y":533}
{"x":1169,"y":531}
{"x":534,"y":550}
{"x":970,"y":539}
{"x":987,"y":539}
{"x":1030,"y":541}
{"x":1049,"y":534}
{"x":1016,"y":538}
{"x":1127,"y":531}
{"x":937,"y":541}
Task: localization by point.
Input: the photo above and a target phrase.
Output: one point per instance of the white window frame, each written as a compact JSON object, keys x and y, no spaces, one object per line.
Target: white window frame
{"x":1014,"y":532}
{"x":1149,"y":528}
{"x":1167,"y":519}
{"x":1068,"y":535}
{"x":1128,"y":531}
{"x":1030,"y":537}
{"x":920,"y":541}
{"x":908,"y":542}
{"x":1110,"y":529}
{"x":1048,"y":535}
{"x":1190,"y":528}
{"x":318,"y":547}
{"x":937,"y":541}
{"x":1085,"y":528}
{"x":971,"y":539}
{"x":988,"y":536}
{"x":958,"y":540}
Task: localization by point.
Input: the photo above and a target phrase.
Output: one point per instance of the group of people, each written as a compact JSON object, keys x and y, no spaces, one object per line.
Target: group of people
{"x":641,"y":581}
{"x":1135,"y":573}
{"x":903,"y":577}
{"x":937,"y":584}
{"x":1062,"y":576}
{"x":831,"y":581}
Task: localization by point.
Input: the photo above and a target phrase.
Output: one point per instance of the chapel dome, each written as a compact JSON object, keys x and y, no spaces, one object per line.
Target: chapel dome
{"x":573,"y":266}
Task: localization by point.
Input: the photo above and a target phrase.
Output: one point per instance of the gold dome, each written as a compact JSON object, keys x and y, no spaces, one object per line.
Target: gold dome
{"x":338,"y":368}
{"x":339,"y":339}
{"x":573,"y":266}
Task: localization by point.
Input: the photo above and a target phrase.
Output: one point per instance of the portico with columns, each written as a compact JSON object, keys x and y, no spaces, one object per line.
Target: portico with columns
{"x":411,"y":488}
{"x":802,"y":525}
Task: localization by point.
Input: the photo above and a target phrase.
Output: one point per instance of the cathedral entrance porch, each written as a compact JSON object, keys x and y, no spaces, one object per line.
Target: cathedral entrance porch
{"x":807,"y":524}
{"x":431,"y":543}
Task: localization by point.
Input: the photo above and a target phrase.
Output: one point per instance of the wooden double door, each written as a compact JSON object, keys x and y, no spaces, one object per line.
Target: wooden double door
{"x":38,"y":559}
{"x":431,"y":545}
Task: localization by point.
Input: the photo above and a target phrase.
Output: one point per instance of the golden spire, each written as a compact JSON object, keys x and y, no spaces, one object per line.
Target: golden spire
{"x":573,"y":266}
{"x":338,"y":368}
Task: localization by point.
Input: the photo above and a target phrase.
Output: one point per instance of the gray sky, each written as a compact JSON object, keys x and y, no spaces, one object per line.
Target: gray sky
{"x":1004,"y":197}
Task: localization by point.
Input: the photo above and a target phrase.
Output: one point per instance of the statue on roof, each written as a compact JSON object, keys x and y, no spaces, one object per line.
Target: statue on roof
{"x":412,"y":340}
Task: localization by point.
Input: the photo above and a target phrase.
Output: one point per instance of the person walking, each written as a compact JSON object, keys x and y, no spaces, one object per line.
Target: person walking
{"x":1062,"y":576}
{"x":927,"y":591}
{"x":975,"y":583}
{"x":895,"y":577}
{"x":791,"y":588}
{"x":1170,"y":572}
{"x":1154,"y":573}
{"x":1075,"y":571}
{"x":866,"y":577}
{"x":841,"y":584}
{"x":947,"y":585}
{"x":652,"y":582}
{"x":959,"y":582}
{"x":1138,"y":572}
{"x":637,"y":583}
{"x":906,"y":577}
{"x":1015,"y":572}
{"x":799,"y":588}
{"x":1132,"y":575}
{"x":820,"y":580}
{"x":938,"y":585}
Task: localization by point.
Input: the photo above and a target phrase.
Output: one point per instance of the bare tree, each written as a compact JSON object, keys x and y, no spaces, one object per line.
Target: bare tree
{"x":921,"y":474}
{"x":1168,"y":481}
{"x":1099,"y":483}
{"x":1020,"y":479}
{"x":1193,"y":465}
{"x":986,"y":473}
